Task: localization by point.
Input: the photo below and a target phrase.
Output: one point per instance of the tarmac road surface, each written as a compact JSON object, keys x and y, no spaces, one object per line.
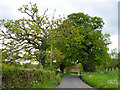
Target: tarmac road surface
{"x":73,"y":81}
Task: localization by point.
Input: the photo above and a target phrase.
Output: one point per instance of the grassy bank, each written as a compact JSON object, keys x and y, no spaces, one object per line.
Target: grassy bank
{"x":101,"y":79}
{"x":48,"y":84}
{"x":51,"y":84}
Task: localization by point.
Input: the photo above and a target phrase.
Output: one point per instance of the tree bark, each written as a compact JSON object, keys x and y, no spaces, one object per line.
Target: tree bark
{"x":62,"y":68}
{"x":40,"y":65}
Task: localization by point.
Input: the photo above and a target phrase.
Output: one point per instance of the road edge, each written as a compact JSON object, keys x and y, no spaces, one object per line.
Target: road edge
{"x":87,"y":83}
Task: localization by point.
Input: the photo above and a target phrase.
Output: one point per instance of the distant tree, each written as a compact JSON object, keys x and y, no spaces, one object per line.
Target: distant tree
{"x":114,"y":53}
{"x":29,"y":65}
{"x":119,"y":59}
{"x":113,"y":62}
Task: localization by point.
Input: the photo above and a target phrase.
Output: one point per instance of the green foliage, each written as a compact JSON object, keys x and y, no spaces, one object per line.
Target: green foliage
{"x":57,"y":55}
{"x":81,"y":67}
{"x":13,"y":64}
{"x":101,"y":79}
{"x":84,"y":41}
{"x":77,"y":37}
{"x":21,"y":77}
{"x":31,"y":35}
{"x":112,"y":61}
{"x":30,"y":65}
{"x":74,"y":73}
{"x":114,"y":53}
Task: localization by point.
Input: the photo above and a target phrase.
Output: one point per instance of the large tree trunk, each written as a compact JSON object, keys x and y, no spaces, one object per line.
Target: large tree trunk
{"x":43,"y":61}
{"x":62,"y":68}
{"x":89,"y":67}
{"x":85,"y":68}
{"x":43,"y":55}
{"x":40,"y":65}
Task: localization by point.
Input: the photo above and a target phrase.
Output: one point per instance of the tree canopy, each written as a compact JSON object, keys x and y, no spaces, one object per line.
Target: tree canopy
{"x":28,"y":38}
{"x":76,"y":39}
{"x":85,"y":42}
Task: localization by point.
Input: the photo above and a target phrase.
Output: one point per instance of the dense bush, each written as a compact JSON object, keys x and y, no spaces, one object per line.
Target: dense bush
{"x":20,"y":77}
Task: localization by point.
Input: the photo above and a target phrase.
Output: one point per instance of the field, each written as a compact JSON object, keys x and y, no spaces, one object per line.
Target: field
{"x":101,"y":79}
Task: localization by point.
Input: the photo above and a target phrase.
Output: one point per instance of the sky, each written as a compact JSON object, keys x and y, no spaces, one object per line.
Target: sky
{"x":106,"y":9}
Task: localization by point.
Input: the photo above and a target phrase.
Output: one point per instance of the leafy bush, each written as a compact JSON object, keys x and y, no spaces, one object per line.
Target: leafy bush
{"x":20,"y":77}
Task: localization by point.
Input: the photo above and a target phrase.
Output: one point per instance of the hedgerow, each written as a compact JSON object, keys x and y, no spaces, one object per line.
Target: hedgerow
{"x":21,"y":77}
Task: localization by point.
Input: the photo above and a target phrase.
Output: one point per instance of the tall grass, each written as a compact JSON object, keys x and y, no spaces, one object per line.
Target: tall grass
{"x":101,"y":79}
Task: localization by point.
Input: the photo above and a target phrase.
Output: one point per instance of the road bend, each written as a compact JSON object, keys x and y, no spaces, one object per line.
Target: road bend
{"x":73,"y":81}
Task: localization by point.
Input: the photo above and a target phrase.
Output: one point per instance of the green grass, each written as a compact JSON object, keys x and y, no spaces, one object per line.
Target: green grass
{"x":48,"y":84}
{"x":101,"y":79}
{"x":63,"y":74}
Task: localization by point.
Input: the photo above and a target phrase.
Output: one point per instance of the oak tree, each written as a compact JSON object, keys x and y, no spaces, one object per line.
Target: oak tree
{"x":28,"y":38}
{"x":85,"y":42}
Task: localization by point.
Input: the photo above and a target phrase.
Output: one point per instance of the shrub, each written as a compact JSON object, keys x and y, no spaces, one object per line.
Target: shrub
{"x":20,"y":77}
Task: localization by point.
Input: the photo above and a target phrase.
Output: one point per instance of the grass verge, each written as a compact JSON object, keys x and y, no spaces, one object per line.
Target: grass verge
{"x":101,"y":79}
{"x":48,"y":84}
{"x":51,"y":84}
